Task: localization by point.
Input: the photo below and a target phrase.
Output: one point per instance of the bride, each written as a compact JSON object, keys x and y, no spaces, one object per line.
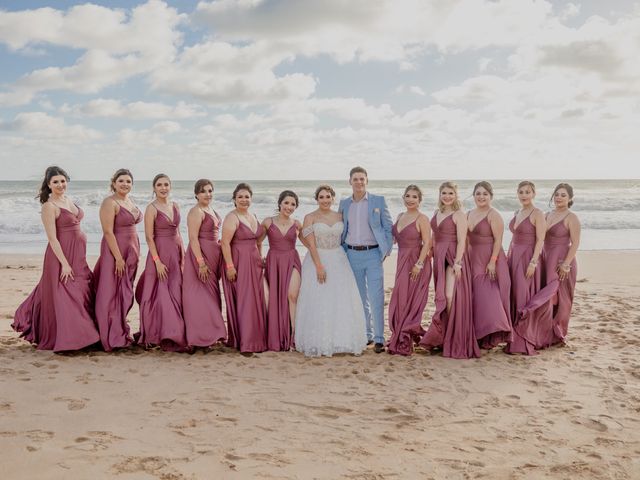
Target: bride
{"x":329,"y":315}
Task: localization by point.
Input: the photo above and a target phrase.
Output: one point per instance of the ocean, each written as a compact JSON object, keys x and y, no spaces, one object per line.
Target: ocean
{"x":609,"y":210}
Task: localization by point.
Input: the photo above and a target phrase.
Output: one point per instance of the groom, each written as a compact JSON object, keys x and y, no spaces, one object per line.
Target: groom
{"x":367,"y":240}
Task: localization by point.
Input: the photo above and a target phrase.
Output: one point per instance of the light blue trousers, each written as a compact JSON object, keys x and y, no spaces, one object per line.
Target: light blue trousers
{"x":367,"y":268}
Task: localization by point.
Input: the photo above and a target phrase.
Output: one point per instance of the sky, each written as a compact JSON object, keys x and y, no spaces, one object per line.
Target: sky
{"x":305,"y":89}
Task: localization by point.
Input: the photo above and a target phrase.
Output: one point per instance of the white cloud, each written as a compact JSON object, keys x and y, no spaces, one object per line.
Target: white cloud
{"x":569,"y":11}
{"x":221,"y":73}
{"x":554,"y":95}
{"x":476,"y":90}
{"x":148,"y":29}
{"x":42,"y":125}
{"x":105,"y":107}
{"x":384,"y":30}
{"x":156,"y":136}
{"x":116,"y":46}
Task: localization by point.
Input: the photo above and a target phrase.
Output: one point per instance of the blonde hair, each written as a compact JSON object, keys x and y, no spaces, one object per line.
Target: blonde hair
{"x":527,"y":183}
{"x":457,"y":204}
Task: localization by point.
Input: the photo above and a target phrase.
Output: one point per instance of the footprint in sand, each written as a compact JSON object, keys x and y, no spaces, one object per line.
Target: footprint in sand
{"x":93,"y":441}
{"x":158,"y":467}
{"x":73,"y":403}
{"x":37,"y":436}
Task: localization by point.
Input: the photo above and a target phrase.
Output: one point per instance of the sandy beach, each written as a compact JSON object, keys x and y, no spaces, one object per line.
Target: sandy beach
{"x":571,"y":412}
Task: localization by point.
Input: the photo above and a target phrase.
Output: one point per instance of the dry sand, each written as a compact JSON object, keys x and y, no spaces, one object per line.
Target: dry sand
{"x":571,"y":412}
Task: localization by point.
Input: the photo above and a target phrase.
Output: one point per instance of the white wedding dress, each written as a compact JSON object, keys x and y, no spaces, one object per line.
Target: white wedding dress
{"x":329,"y":316}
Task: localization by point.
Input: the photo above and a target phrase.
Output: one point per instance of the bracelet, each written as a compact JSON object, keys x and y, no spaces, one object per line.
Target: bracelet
{"x":419,"y":266}
{"x":565,"y":267}
{"x":200,"y":261}
{"x":155,"y":258}
{"x":533,"y":262}
{"x":229,"y":266}
{"x":494,"y":258}
{"x":459,"y":263}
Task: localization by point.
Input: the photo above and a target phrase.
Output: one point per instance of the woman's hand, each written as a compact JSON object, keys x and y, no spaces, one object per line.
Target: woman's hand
{"x":491,"y":269}
{"x":457,"y":270}
{"x":203,"y":272}
{"x":415,"y":272}
{"x":120,"y":266}
{"x":66,"y":273}
{"x":321,"y":274}
{"x":232,"y":274}
{"x":162,"y":270}
{"x":563,"y":270}
{"x":531,"y":270}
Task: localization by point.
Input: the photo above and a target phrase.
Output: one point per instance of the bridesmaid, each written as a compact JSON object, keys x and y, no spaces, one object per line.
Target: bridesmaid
{"x":412,"y":232}
{"x":117,"y":265}
{"x":201,"y":302}
{"x":452,"y":323}
{"x":491,"y":285}
{"x":243,"y":283}
{"x":159,"y":290}
{"x":283,"y":268}
{"x":559,"y":256}
{"x":528,"y":227}
{"x":58,"y":315}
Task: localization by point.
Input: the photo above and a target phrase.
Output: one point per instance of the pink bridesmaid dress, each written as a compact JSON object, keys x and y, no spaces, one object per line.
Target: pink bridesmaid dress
{"x":531,"y":332}
{"x":409,"y":297}
{"x":114,"y":294}
{"x":161,"y":321}
{"x":246,"y":309}
{"x":556,"y":246}
{"x":282,"y":260}
{"x":59,"y":316}
{"x":201,"y":302}
{"x":491,"y":298}
{"x":452,"y":331}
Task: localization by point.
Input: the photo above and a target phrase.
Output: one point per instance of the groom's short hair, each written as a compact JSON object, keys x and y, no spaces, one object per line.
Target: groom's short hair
{"x":358,"y":170}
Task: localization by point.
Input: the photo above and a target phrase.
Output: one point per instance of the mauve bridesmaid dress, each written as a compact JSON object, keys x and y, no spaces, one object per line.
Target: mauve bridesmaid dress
{"x":282,"y":260}
{"x":201,"y":302}
{"x":246,"y":309}
{"x":491,"y":298}
{"x":452,"y":331}
{"x":59,"y":316}
{"x":409,"y":297}
{"x":161,"y":321}
{"x":556,"y":246}
{"x":114,"y":294}
{"x":533,"y":331}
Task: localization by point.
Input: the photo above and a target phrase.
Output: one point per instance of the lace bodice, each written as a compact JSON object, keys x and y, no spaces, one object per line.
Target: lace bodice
{"x":328,"y":237}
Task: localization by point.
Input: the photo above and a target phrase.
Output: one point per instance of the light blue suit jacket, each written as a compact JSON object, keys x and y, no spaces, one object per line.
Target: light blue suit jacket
{"x":379,"y":221}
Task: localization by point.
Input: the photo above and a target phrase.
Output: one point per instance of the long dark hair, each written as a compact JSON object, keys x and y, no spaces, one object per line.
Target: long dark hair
{"x":285,"y":194}
{"x":49,"y":173}
{"x":569,"y":190}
